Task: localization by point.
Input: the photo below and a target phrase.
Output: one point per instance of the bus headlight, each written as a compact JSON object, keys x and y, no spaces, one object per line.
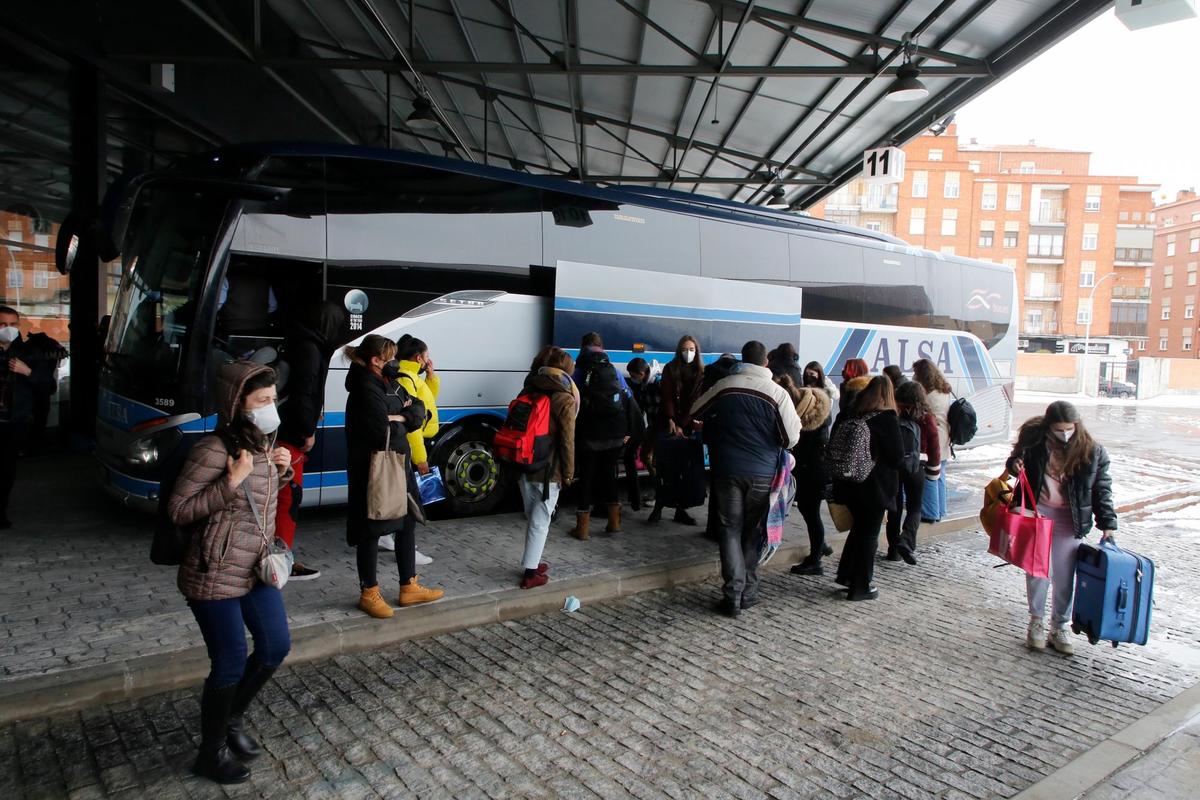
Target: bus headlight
{"x":143,"y":453}
{"x":146,"y":451}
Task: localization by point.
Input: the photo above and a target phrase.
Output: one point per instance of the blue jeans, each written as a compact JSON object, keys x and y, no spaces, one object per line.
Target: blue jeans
{"x":224,"y":622}
{"x":933,"y":502}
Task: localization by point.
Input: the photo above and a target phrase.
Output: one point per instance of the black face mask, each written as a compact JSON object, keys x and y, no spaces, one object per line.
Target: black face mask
{"x":810,"y":379}
{"x":391,"y":370}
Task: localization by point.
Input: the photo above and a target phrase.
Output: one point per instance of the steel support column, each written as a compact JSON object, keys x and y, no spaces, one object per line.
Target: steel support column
{"x":88,"y":159}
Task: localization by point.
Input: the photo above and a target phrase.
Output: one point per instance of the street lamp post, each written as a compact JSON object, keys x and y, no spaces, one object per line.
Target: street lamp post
{"x":1087,"y":336}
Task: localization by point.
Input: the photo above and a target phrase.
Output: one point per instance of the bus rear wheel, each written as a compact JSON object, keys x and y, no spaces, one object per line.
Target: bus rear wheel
{"x":475,"y":482}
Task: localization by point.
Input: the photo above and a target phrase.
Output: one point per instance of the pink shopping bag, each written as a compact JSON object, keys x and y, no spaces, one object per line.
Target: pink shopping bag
{"x":1022,"y":537}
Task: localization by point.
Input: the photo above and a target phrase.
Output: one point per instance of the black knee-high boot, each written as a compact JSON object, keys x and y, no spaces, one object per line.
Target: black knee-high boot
{"x":241,"y":743}
{"x":215,"y":761}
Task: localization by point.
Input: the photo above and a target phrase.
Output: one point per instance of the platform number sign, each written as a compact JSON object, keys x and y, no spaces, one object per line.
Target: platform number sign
{"x":883,"y":165}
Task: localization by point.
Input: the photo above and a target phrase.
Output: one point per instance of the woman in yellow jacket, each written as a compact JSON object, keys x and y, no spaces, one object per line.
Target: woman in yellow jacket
{"x":413,"y":355}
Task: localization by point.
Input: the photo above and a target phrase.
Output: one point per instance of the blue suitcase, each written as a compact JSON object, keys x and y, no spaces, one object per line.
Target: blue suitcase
{"x":1114,"y":590}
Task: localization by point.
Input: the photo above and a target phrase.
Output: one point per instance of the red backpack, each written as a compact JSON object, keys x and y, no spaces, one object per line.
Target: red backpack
{"x":524,"y":440}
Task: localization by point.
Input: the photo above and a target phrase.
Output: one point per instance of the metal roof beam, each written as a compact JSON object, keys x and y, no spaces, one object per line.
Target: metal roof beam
{"x":688,"y":179}
{"x":508,"y":9}
{"x":672,"y":38}
{"x":488,"y":97}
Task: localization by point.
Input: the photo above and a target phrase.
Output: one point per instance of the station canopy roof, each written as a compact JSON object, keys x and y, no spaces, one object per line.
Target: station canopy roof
{"x":730,"y":98}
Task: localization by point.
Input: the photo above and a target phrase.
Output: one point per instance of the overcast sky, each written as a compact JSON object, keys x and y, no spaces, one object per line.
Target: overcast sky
{"x":1130,"y":97}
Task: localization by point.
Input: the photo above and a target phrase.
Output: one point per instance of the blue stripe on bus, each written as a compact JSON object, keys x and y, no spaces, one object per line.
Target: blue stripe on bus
{"x":837,"y":350}
{"x":134,"y":486}
{"x":850,"y":349}
{"x":678,"y":312}
{"x":337,"y":419}
{"x":866,"y":346}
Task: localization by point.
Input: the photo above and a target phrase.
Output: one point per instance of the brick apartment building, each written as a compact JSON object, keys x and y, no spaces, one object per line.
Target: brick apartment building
{"x":1173,"y":287}
{"x":32,"y":285}
{"x":1036,"y":209}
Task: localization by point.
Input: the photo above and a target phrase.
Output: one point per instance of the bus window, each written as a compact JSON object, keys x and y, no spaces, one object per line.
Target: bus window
{"x":167,"y":251}
{"x":892,"y":292}
{"x":743,"y":252}
{"x":831,"y":274}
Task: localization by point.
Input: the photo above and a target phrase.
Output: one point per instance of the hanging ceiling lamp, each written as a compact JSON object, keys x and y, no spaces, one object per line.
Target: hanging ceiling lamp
{"x":907,"y":86}
{"x":422,"y":117}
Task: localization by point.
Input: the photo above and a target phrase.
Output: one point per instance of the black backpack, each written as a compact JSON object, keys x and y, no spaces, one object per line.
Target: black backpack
{"x":600,"y":392}
{"x":963,"y":421}
{"x":910,"y":436}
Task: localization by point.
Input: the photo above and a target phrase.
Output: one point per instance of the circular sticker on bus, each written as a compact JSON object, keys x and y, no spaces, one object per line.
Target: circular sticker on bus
{"x":356,"y":301}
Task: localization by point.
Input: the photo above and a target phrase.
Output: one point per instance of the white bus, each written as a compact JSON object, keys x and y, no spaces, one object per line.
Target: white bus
{"x":486,"y":265}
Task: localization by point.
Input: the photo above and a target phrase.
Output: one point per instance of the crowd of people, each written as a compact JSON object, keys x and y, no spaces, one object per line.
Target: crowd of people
{"x":769,"y":427}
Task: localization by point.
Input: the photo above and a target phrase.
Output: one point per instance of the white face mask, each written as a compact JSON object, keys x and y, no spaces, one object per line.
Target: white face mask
{"x":9,"y":334}
{"x":1064,"y":436}
{"x":689,"y":356}
{"x":266,"y":419}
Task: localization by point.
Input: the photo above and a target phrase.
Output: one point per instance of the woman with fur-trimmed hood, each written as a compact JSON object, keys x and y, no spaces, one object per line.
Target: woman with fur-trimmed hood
{"x":814,"y":406}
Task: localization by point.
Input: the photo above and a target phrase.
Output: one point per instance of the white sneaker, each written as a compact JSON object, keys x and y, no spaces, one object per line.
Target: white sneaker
{"x":387,"y":542}
{"x":423,"y":560}
{"x":1060,"y":640}
{"x":1036,"y":638}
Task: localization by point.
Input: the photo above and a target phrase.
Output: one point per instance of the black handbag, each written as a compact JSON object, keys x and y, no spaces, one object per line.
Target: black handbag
{"x":170,"y":542}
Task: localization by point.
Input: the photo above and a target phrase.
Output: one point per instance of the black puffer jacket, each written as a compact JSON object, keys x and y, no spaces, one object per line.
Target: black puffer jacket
{"x":1090,"y":489}
{"x":308,"y":347}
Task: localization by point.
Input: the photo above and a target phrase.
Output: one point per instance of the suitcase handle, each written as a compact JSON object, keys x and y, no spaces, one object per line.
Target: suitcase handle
{"x":1122,"y":597}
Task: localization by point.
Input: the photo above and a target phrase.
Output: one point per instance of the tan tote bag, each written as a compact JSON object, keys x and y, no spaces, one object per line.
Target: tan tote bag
{"x":387,"y":483}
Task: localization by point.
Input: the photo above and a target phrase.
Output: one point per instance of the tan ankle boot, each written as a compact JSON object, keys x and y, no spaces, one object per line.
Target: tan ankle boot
{"x":412,"y":593}
{"x":372,"y":602}
{"x":614,"y":518}
{"x":582,"y":520}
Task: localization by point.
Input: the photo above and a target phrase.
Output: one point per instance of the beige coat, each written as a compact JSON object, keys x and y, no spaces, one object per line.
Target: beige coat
{"x":226,"y":544}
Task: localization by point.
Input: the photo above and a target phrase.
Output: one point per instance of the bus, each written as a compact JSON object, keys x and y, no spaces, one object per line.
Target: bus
{"x":486,"y":265}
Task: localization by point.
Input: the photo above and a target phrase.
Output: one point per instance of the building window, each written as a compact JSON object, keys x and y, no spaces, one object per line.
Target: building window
{"x":16,"y":279}
{"x":1027,"y":168}
{"x":874,"y":225}
{"x":986,"y":238}
{"x":1168,"y":276}
{"x":1137,"y":216}
{"x":950,"y":188}
{"x":1162,"y":343}
{"x":1142,"y":345}
{"x":1087,"y":279}
{"x":949,"y":221}
{"x":974,"y":166}
{"x":1091,"y":241}
{"x":947,"y":249}
{"x":989,"y":197}
{"x":1091,"y":201}
{"x":1083,"y":313}
{"x":1010,"y":238}
{"x":1170,"y":249}
{"x":1187,"y":343}
{"x":1012,"y":197}
{"x":1194,"y":245}
{"x":920,"y":184}
{"x":1191,"y":273}
{"x":1189,"y":311}
{"x":916,"y":223}
{"x":41,"y":279}
{"x":935,"y":155}
{"x":1045,"y":245}
{"x":1166,"y":312}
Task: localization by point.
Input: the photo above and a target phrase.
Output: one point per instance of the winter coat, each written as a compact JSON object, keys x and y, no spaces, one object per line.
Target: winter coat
{"x":790,"y":367}
{"x":17,"y":392}
{"x":594,"y":432}
{"x":424,"y":388}
{"x":370,"y":400}
{"x":564,"y":404}
{"x":307,"y":352}
{"x":1089,"y":490}
{"x":879,"y":490}
{"x":816,"y":419}
{"x":221,"y":557}
{"x":850,"y":390}
{"x":752,"y":418}
{"x":679,"y":391}
{"x":939,"y":406}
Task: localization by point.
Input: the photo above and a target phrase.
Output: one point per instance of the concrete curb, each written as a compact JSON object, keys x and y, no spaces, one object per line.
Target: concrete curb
{"x":68,"y":690}
{"x":1118,"y":751}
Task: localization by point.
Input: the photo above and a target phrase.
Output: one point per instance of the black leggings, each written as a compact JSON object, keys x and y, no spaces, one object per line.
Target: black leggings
{"x":856,"y":569}
{"x":367,"y":555}
{"x":810,"y":510}
{"x":597,"y":471}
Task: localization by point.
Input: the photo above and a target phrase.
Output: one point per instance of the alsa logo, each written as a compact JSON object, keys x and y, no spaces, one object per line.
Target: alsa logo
{"x":904,"y":351}
{"x":988,"y":301}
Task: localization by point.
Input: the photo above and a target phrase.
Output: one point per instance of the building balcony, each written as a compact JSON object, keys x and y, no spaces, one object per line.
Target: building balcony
{"x":1133,"y":257}
{"x":1048,"y":292}
{"x":1131,"y":294}
{"x":1128,"y":329}
{"x":876,"y":206}
{"x":1051,"y":216}
{"x":1039,"y":328}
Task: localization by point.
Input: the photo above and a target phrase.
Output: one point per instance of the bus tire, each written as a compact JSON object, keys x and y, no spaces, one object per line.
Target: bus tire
{"x":475,"y":482}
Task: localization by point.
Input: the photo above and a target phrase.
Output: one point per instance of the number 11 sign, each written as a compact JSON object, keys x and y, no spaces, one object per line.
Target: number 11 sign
{"x":883,"y":165}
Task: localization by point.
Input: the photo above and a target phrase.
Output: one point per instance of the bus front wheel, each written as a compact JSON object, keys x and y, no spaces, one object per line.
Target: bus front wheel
{"x":474,"y":480}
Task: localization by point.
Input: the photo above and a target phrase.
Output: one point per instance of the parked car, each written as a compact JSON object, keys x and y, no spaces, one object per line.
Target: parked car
{"x":1117,"y":389}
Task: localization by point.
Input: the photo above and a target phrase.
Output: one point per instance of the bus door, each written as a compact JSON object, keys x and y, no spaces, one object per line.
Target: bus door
{"x":643,"y":313}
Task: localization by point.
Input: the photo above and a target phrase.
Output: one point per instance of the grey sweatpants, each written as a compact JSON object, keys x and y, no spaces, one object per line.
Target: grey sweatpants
{"x":1063,"y":547}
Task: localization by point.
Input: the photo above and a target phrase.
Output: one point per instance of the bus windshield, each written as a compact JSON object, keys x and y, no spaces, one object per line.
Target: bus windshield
{"x":170,"y":238}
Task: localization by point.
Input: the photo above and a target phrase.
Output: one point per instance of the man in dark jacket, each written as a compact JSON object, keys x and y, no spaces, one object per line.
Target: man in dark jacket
{"x":785,"y":360}
{"x":307,"y":349}
{"x":748,"y":420}
{"x":21,"y":376}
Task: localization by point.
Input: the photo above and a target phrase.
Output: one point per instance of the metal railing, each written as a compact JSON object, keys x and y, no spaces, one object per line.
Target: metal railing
{"x":1047,"y":291}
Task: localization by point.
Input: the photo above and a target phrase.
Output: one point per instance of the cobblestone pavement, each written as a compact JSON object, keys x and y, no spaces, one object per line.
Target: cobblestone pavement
{"x":927,"y":692}
{"x":79,"y":587}
{"x":1170,"y":771}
